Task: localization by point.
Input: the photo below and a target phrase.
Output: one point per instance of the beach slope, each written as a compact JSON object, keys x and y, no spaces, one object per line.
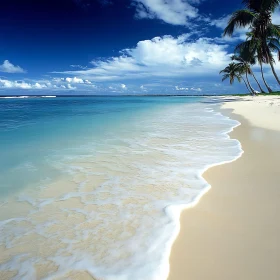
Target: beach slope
{"x":233,"y":232}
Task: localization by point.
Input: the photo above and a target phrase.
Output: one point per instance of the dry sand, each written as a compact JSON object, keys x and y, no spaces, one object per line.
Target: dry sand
{"x":234,"y":231}
{"x":261,"y":111}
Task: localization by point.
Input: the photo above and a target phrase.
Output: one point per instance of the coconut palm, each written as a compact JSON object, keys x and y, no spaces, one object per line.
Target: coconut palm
{"x":233,"y":72}
{"x":245,"y":61}
{"x":274,"y":46}
{"x":256,"y":12}
{"x":257,"y":15}
{"x":268,"y":43}
{"x":252,"y":48}
{"x":245,"y":68}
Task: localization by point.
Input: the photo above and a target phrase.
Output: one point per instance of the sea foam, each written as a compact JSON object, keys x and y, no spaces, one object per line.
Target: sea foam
{"x":114,"y":213}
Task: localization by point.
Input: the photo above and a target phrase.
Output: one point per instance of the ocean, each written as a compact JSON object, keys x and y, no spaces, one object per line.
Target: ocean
{"x":94,"y":186}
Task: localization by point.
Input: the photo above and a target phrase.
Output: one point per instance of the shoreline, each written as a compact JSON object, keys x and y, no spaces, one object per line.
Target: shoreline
{"x":215,"y":232}
{"x":80,"y":208}
{"x":194,"y":203}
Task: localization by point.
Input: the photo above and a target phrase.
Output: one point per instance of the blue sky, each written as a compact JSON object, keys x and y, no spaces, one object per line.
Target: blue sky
{"x":117,"y":47}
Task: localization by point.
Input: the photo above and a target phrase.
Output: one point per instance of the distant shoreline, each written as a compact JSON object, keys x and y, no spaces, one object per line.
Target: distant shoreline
{"x":129,"y":95}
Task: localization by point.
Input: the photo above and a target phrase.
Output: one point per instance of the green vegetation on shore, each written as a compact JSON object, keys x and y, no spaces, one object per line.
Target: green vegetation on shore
{"x":259,"y":94}
{"x":261,"y":45}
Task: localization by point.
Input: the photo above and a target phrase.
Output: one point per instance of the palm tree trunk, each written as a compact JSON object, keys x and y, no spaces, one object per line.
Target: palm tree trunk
{"x":251,"y":89}
{"x":245,"y":83}
{"x":274,"y":73}
{"x":267,"y":86}
{"x":261,"y":89}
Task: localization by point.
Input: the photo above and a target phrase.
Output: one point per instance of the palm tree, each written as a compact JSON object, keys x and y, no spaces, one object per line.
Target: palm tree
{"x":267,"y":44}
{"x":257,"y":14}
{"x":245,"y":61}
{"x":252,"y":48}
{"x":274,"y":45}
{"x":246,"y":69}
{"x":267,"y":86}
{"x":232,"y":72}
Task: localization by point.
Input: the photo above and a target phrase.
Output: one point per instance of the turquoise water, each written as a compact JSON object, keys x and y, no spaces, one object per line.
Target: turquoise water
{"x":94,"y":186}
{"x":32,"y":130}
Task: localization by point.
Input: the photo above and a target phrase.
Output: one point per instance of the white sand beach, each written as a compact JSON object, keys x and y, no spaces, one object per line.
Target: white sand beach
{"x":233,"y":232}
{"x":260,"y":111}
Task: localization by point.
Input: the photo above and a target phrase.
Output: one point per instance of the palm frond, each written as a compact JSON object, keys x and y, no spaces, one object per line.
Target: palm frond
{"x":274,"y":41}
{"x":274,"y":48}
{"x":273,"y":30}
{"x":269,"y":5}
{"x":254,"y":5}
{"x":226,"y":76}
{"x":231,"y":72}
{"x":245,"y":49}
{"x":274,"y":45}
{"x":237,"y":58}
{"x":239,"y":18}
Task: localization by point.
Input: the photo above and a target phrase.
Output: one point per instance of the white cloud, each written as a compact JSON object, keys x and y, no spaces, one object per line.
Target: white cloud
{"x":196,"y":89}
{"x":69,"y":86}
{"x":57,"y":80}
{"x":15,"y":84}
{"x":176,"y":12}
{"x":123,"y":86}
{"x":163,"y":57}
{"x":180,"y":88}
{"x":220,"y":22}
{"x":75,"y":80}
{"x":276,"y":16}
{"x":186,"y":89}
{"x":40,"y":86}
{"x":53,"y":84}
{"x":8,"y":67}
{"x":78,"y":66}
{"x":143,"y":88}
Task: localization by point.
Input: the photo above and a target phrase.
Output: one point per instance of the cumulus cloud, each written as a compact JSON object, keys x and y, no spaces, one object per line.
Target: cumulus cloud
{"x":8,"y":67}
{"x":52,"y":84}
{"x":196,"y":89}
{"x":161,"y":57}
{"x":75,"y":80}
{"x":69,"y":86}
{"x":123,"y":86}
{"x":176,"y":12}
{"x":40,"y":86}
{"x":18,"y":84}
{"x":181,"y":88}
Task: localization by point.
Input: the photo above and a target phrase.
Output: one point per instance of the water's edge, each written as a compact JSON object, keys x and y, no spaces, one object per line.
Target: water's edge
{"x":172,"y":172}
{"x":185,"y":207}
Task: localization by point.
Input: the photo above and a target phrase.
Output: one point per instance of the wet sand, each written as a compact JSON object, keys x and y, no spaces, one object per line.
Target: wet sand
{"x":233,"y":232}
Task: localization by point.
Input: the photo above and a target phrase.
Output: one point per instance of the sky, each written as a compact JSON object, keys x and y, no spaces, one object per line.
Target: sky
{"x":118,"y":47}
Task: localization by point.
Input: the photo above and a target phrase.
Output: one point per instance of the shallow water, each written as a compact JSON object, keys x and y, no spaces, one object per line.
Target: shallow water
{"x":94,"y":186}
